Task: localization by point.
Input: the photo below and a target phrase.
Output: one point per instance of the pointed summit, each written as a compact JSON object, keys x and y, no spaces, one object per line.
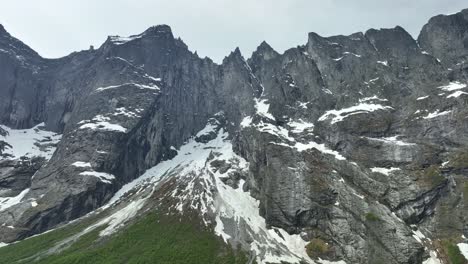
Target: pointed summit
{"x":234,"y":57}
{"x":234,"y":54}
{"x":2,"y":30}
{"x":264,"y":51}
{"x":265,"y":47}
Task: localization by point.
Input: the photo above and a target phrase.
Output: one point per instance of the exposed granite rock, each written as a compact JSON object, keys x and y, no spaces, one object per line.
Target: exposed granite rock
{"x":355,"y":140}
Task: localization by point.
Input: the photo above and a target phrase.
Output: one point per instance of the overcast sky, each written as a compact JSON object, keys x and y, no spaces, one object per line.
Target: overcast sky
{"x":213,"y":28}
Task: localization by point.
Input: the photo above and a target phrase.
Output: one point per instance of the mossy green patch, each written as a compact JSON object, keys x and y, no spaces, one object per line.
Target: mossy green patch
{"x":317,"y":248}
{"x":371,"y":217}
{"x":459,"y":160}
{"x":431,"y":176}
{"x":453,"y":253}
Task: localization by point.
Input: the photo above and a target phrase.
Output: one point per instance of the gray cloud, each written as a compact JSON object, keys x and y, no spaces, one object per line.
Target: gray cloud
{"x":213,"y":28}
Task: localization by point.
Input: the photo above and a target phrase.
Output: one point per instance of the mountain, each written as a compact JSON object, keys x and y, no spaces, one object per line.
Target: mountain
{"x":348,"y":149}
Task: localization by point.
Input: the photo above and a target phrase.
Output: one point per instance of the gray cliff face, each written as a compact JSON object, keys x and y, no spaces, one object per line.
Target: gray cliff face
{"x":446,"y":37}
{"x":355,"y":140}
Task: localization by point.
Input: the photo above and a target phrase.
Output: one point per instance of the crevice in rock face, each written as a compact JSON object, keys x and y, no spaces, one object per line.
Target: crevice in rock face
{"x":420,"y":202}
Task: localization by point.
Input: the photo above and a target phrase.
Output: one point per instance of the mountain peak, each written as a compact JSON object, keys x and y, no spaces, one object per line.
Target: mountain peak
{"x":235,"y":55}
{"x":264,"y":46}
{"x":264,"y":52}
{"x":154,"y":31}
{"x":158,"y":30}
{"x":2,"y":30}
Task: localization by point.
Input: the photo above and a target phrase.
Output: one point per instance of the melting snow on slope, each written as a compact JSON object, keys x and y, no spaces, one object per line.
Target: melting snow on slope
{"x":456,"y":94}
{"x":463,"y":249}
{"x":81,"y":164}
{"x":125,"y":112}
{"x":30,"y":142}
{"x":320,"y":147}
{"x":101,"y":122}
{"x":419,"y":236}
{"x":300,"y":126}
{"x":104,"y":177}
{"x":391,"y":140}
{"x":283,"y":133}
{"x":422,"y":98}
{"x":7,"y":202}
{"x":433,"y":259}
{"x":191,"y":164}
{"x":436,"y":113}
{"x":190,"y":157}
{"x":209,"y":128}
{"x":236,"y":204}
{"x":350,"y":53}
{"x":385,"y":171}
{"x":119,"y":218}
{"x":452,"y":86}
{"x":339,"y":115}
{"x":373,"y":98}
{"x":262,"y":108}
{"x":384,"y":63}
{"x":139,"y":86}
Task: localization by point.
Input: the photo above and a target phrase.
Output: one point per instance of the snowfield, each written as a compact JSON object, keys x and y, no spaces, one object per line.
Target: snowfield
{"x":32,"y":142}
{"x":340,"y":115}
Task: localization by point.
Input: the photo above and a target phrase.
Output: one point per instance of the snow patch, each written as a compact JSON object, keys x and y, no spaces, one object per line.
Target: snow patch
{"x":340,"y":115}
{"x":320,"y":147}
{"x":437,"y":113}
{"x":262,"y":108}
{"x":7,"y":202}
{"x":104,"y":177}
{"x":456,"y":94}
{"x":209,"y":128}
{"x":452,"y":86}
{"x":30,"y":142}
{"x":391,"y":140}
{"x":385,"y":171}
{"x":418,"y":236}
{"x":354,"y":54}
{"x":373,"y":98}
{"x":300,"y":126}
{"x":81,"y":164}
{"x":463,"y":249}
{"x":125,"y":112}
{"x":119,"y":218}
{"x":433,"y":259}
{"x":246,"y":122}
{"x":384,"y":63}
{"x":101,"y":122}
{"x":139,"y":86}
{"x":422,"y":98}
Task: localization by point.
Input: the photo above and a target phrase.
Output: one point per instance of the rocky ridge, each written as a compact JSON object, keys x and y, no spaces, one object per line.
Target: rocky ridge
{"x":354,"y":142}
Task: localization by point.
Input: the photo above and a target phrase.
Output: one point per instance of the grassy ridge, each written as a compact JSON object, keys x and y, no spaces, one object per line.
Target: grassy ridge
{"x":155,"y":238}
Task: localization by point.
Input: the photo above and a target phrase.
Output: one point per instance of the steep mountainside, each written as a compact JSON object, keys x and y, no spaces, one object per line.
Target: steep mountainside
{"x":348,"y":149}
